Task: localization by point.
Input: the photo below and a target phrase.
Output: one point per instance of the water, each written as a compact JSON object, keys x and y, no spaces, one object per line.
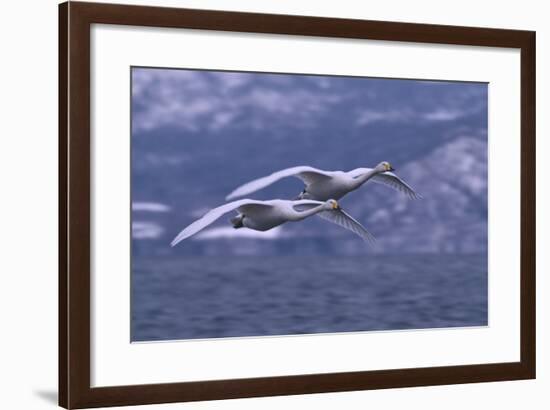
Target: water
{"x":197,"y":298}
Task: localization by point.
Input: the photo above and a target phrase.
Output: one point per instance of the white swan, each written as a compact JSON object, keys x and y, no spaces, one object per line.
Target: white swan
{"x":322,"y":185}
{"x":264,"y":215}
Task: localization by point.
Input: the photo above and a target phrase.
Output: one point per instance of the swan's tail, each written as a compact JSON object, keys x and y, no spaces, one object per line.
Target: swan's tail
{"x":237,"y":221}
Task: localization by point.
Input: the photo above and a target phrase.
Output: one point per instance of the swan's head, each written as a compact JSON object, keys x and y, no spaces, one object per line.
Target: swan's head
{"x":332,"y":205}
{"x":384,"y":166}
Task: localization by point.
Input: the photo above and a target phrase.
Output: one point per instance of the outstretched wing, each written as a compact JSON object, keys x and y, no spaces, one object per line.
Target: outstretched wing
{"x":393,"y":181}
{"x":338,"y":217}
{"x":389,"y":179}
{"x":346,"y":221}
{"x":214,"y":214}
{"x":307,"y":174}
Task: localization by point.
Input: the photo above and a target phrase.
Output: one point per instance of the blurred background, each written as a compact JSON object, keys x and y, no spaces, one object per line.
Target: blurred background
{"x":197,"y":135}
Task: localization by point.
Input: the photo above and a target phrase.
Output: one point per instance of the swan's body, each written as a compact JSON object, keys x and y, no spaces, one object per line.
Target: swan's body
{"x":322,"y":185}
{"x":265,"y":215}
{"x":335,"y":186}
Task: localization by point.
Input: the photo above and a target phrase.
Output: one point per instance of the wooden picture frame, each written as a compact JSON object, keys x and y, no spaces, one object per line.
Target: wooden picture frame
{"x":75,"y":20}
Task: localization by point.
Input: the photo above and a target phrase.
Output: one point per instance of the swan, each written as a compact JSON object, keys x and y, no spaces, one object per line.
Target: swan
{"x":264,"y":215}
{"x":323,"y":185}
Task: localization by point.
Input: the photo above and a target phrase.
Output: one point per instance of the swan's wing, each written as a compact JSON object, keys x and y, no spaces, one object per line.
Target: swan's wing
{"x":307,"y":174}
{"x":393,"y":181}
{"x":388,"y":179}
{"x":346,"y":221}
{"x":215,"y":214}
{"x":338,"y":217}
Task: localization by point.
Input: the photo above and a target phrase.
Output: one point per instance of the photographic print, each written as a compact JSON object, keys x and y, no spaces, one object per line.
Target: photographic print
{"x":268,"y":204}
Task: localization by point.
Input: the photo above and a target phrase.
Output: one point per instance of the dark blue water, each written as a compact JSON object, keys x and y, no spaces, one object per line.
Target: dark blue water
{"x":190,"y":298}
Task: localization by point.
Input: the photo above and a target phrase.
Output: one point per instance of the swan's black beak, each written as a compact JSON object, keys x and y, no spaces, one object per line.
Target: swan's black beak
{"x":391,"y":168}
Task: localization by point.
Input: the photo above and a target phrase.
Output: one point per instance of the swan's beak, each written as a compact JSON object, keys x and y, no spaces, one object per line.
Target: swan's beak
{"x":335,"y":205}
{"x":391,"y":168}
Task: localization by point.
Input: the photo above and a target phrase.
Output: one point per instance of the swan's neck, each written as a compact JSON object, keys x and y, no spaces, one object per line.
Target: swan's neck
{"x":298,"y":216}
{"x":357,"y":182}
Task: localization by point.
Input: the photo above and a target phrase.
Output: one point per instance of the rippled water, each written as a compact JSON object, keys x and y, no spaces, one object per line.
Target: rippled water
{"x":190,"y":298}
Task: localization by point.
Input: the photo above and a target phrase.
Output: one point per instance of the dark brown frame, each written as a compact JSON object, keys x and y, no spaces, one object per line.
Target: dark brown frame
{"x":74,"y":204}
